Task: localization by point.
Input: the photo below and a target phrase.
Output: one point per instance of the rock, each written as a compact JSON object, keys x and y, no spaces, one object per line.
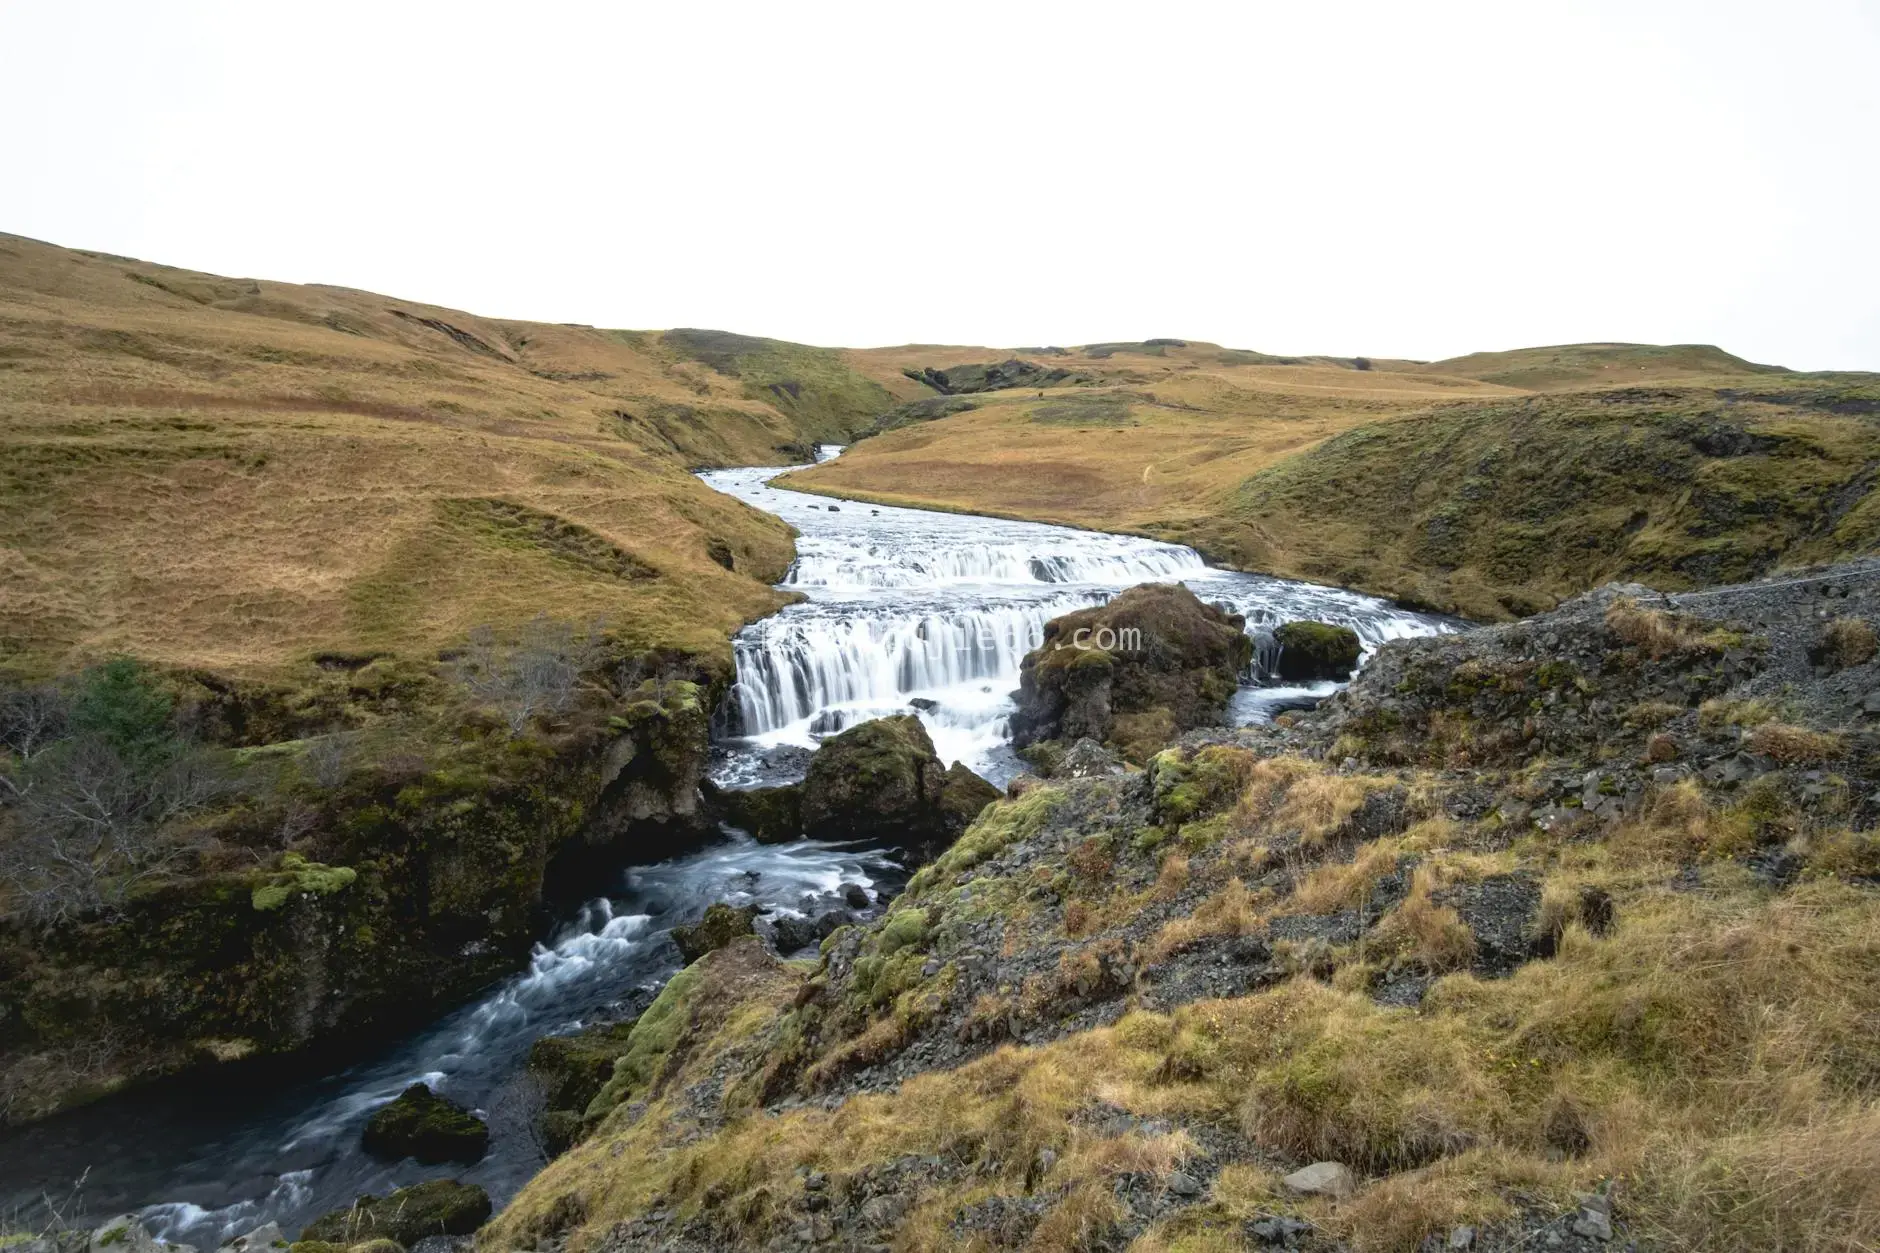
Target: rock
{"x":772,"y":815}
{"x":1333,"y":1179}
{"x":793,"y":934}
{"x":1181,"y":1183}
{"x":1153,"y":662}
{"x":882,"y":780}
{"x":1871,"y":704}
{"x":124,"y":1234}
{"x":1461,"y":1238}
{"x":1594,"y":1221}
{"x":926,"y":704}
{"x":424,"y":1125}
{"x":854,"y":894}
{"x":440,"y":1207}
{"x":1277,"y":1230}
{"x":1087,"y":759}
{"x":721,"y":924}
{"x":1316,"y":650}
{"x":260,"y":1240}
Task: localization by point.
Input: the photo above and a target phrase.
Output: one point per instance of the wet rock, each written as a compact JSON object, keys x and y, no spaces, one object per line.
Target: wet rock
{"x":721,"y":924}
{"x":426,"y":1126}
{"x":1153,"y":662}
{"x":1316,"y":650}
{"x":1333,"y":1179}
{"x":854,"y":894}
{"x":1180,"y":1183}
{"x":440,"y":1207}
{"x":792,"y":935}
{"x":883,"y":780}
{"x":260,"y":1240}
{"x":124,"y":1234}
{"x":772,"y":815}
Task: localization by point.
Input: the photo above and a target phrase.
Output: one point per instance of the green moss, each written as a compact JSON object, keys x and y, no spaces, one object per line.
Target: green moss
{"x":297,"y":876}
{"x":652,"y":1038}
{"x":1194,"y":785}
{"x":902,"y":929}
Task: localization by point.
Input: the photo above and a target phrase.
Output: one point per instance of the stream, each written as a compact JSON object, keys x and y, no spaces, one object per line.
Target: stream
{"x":904,"y":610}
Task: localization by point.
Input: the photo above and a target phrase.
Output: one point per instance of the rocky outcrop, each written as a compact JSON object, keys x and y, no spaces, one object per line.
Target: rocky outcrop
{"x":1316,"y":650}
{"x":883,"y":780}
{"x":721,"y":924}
{"x":423,"y":1125}
{"x":412,"y":879}
{"x":1152,"y":663}
{"x":440,"y":1207}
{"x":958,"y":380}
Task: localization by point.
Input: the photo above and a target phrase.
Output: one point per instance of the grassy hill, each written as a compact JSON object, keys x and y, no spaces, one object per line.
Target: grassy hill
{"x":1491,"y":485}
{"x":239,"y":474}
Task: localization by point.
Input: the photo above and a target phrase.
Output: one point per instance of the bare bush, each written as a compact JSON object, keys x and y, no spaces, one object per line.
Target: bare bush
{"x":328,"y":761}
{"x":90,"y":825}
{"x":32,"y":720}
{"x":540,"y":673}
{"x":516,"y":1111}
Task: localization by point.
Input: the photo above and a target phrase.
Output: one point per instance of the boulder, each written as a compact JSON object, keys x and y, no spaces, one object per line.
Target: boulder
{"x":424,"y":1125}
{"x":1316,"y":650}
{"x":882,"y":780}
{"x":437,"y":1207}
{"x":772,"y":815}
{"x":1333,"y":1179}
{"x":721,"y":924}
{"x":124,"y":1234}
{"x":1152,"y":663}
{"x":262,"y":1239}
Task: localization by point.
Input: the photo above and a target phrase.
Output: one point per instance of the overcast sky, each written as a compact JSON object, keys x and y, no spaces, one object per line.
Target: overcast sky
{"x":1392,"y":179}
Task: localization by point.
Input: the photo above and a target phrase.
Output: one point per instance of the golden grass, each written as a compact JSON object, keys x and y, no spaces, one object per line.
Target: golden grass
{"x":1792,"y":746}
{"x":1711,"y":1055}
{"x":1849,"y":642}
{"x":237,"y":475}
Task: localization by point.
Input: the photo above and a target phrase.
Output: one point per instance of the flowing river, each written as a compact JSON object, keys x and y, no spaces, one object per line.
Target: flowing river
{"x":904,"y":610}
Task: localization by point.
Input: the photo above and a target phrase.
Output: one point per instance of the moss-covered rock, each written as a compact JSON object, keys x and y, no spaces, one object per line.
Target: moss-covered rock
{"x":772,"y":815}
{"x":1153,"y":662}
{"x":438,"y":1207}
{"x":424,"y":1125}
{"x":1316,"y":650}
{"x":721,"y":924}
{"x":883,"y":780}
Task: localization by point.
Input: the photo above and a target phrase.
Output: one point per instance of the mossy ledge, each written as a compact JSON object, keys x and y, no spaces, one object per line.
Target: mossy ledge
{"x":319,"y":908}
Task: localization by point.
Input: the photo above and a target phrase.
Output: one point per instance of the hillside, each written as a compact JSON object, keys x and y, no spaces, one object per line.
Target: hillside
{"x":240,"y":474}
{"x":324,"y":612}
{"x":1490,"y":485}
{"x":1554,"y":935}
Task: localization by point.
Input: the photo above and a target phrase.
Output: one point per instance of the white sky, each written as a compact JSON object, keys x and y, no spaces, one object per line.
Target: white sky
{"x":1395,"y":179}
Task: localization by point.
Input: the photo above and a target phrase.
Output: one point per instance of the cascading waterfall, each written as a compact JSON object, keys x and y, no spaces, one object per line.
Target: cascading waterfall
{"x":933,"y":612}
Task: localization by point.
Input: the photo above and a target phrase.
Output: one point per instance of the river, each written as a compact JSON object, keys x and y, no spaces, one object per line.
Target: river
{"x":904,"y":610}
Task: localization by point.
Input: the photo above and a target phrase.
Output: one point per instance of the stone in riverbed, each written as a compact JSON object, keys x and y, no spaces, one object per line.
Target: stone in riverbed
{"x":721,"y":924}
{"x":1316,"y":650}
{"x":424,"y":1125}
{"x":1136,"y":672}
{"x":882,"y":780}
{"x":439,"y":1207}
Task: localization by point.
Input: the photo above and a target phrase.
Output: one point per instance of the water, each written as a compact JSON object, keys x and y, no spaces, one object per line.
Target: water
{"x":904,"y":610}
{"x":217,"y":1163}
{"x":915,"y":611}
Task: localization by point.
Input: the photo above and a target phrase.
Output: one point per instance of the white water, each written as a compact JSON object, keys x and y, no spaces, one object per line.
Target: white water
{"x":933,"y":612}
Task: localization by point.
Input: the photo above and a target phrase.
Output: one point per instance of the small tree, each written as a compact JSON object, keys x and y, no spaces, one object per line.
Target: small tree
{"x":94,"y":783}
{"x":538,"y":674}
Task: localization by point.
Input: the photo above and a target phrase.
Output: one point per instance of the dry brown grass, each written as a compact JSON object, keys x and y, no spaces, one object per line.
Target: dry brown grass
{"x":231,"y":475}
{"x":1233,"y":910}
{"x":1848,"y":642}
{"x":1793,"y":746}
{"x":1177,"y":429}
{"x":1655,"y":632}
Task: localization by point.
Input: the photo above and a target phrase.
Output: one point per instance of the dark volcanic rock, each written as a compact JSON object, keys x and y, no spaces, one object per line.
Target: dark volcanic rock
{"x":1316,"y":650}
{"x":424,"y":1125}
{"x":883,"y":780}
{"x":439,"y":1207}
{"x":721,"y":924}
{"x":772,"y":815}
{"x":1153,"y":662}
